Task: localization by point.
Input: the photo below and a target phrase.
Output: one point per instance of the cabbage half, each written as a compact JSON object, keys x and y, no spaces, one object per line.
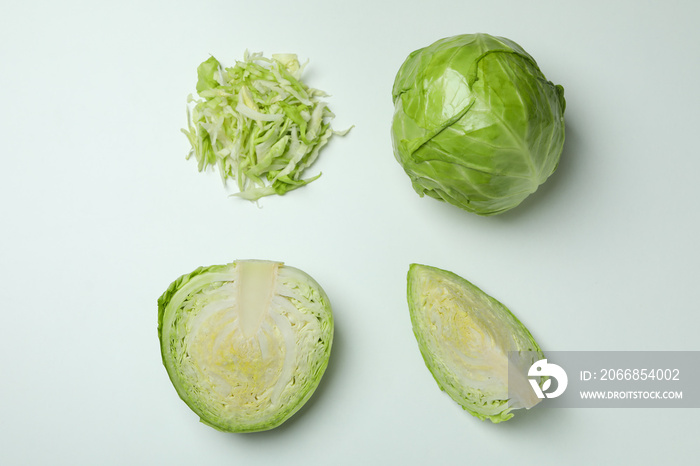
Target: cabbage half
{"x":476,"y":123}
{"x":467,"y":339}
{"x":245,"y":344}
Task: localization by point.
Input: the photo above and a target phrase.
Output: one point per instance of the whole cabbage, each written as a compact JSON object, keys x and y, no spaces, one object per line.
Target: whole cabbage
{"x":476,"y":123}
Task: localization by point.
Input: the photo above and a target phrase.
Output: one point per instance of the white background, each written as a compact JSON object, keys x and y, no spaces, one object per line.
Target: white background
{"x":101,"y":211}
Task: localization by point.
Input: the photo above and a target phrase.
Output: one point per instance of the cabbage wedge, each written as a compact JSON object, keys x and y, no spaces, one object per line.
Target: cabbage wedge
{"x":467,"y":339}
{"x":245,"y":344}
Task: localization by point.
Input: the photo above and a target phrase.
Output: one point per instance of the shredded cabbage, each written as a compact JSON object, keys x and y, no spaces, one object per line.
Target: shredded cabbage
{"x":258,"y":123}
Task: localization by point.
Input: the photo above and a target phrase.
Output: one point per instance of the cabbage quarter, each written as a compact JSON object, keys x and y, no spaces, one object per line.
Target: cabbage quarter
{"x":245,"y":344}
{"x":466,"y":338}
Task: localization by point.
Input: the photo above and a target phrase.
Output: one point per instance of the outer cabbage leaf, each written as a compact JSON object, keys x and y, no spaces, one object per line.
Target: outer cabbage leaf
{"x":466,"y":338}
{"x":245,"y":344}
{"x":476,"y":123}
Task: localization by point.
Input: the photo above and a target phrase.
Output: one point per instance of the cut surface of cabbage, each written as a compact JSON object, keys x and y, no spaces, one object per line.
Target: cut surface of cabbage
{"x":466,"y":339}
{"x":245,"y":344}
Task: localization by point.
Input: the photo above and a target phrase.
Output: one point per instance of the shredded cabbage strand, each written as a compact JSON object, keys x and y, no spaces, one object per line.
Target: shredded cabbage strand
{"x":258,"y":123}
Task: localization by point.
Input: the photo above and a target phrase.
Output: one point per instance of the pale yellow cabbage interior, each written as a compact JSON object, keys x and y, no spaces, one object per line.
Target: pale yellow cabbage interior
{"x":242,"y":347}
{"x":465,"y":335}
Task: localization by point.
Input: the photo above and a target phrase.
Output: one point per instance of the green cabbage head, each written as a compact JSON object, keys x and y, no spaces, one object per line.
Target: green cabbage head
{"x":245,"y":344}
{"x":476,"y":349}
{"x":476,"y":123}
